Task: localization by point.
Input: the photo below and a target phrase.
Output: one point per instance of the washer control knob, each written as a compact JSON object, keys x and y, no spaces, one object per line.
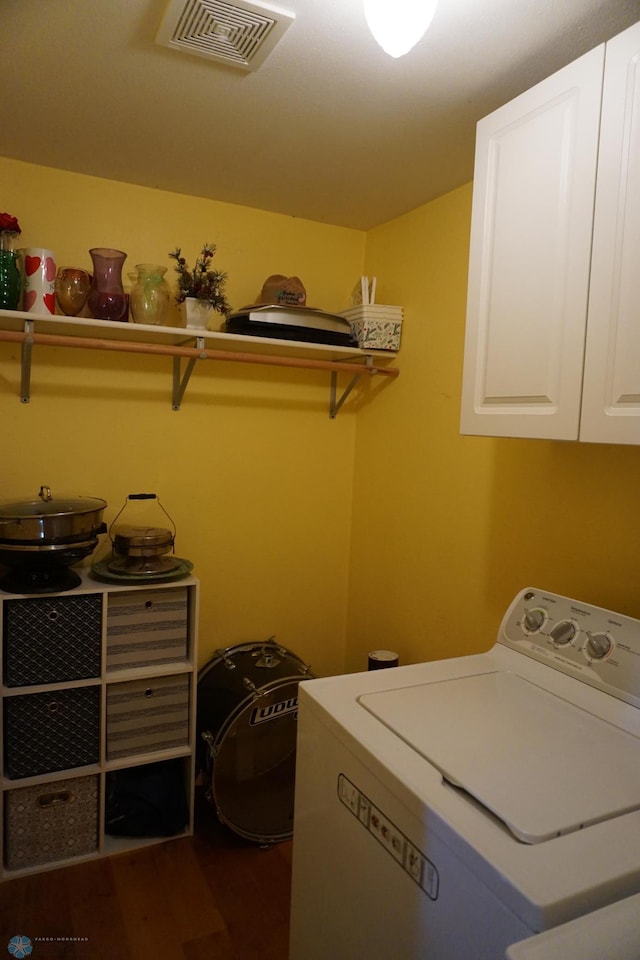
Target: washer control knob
{"x":599,"y":645}
{"x":563,"y":632}
{"x":533,"y":620}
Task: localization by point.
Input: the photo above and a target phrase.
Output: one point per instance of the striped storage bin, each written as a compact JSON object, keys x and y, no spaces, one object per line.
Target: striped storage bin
{"x":144,"y":716}
{"x":50,"y":822}
{"x":146,"y":627}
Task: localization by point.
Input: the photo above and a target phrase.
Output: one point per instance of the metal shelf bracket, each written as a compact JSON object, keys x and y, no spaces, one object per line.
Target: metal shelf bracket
{"x":25,"y":364}
{"x":180,"y":382}
{"x":334,"y":402}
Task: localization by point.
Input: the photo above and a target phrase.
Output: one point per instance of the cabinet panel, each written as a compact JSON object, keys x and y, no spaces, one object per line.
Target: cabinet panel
{"x":534,"y":186}
{"x":611,"y":402}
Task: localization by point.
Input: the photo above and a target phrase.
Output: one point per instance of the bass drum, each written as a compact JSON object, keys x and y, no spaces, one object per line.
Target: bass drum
{"x":246,"y":720}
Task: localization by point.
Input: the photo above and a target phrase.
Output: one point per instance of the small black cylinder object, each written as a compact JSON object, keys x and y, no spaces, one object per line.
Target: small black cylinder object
{"x":380,"y":659}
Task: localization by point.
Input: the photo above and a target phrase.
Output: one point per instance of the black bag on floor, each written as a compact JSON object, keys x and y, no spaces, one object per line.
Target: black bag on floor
{"x":147,"y":801}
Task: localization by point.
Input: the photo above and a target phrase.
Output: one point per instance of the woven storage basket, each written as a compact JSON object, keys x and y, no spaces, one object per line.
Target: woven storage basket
{"x":56,"y":730}
{"x":51,"y":822}
{"x":52,"y":639}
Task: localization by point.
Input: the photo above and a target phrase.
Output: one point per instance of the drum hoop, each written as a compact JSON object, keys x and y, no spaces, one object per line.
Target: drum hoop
{"x":214,"y":747}
{"x":256,"y":837}
{"x":215,"y":741}
{"x":224,"y":652}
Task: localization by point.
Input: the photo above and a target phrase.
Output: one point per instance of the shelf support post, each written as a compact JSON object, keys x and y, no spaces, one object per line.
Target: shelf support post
{"x":25,"y":367}
{"x":334,"y":403}
{"x":180,"y":383}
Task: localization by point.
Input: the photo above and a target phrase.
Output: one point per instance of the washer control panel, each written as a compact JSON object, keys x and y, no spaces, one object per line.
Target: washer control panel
{"x":595,"y":645}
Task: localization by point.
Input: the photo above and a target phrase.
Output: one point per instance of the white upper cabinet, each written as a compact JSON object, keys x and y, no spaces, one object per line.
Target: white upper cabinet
{"x":541,"y":161}
{"x":611,"y":397}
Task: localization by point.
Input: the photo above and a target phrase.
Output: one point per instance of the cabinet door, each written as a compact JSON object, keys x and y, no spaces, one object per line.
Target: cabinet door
{"x":534,"y":187}
{"x":611,"y":399}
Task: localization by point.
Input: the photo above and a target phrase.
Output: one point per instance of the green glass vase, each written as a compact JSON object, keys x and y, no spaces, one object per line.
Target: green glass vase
{"x":149,"y":298}
{"x":10,"y":280}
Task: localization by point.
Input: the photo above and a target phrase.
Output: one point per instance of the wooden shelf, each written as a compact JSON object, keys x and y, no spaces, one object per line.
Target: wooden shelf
{"x":182,"y":345}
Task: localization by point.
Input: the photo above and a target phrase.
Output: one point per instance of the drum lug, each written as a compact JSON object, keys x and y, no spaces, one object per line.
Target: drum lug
{"x":251,"y":687}
{"x":228,"y":662}
{"x":267,"y":659}
{"x":270,"y":654}
{"x":281,"y":650}
{"x":210,"y":741}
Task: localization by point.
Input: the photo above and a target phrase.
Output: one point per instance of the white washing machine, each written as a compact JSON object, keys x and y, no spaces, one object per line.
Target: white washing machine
{"x":610,"y":933}
{"x":448,"y":809}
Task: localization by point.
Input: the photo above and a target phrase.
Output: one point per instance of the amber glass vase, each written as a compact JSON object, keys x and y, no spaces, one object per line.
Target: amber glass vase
{"x":72,"y":289}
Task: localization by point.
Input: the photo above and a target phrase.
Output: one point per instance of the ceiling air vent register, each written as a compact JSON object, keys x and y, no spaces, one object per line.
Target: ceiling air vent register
{"x":240,"y":34}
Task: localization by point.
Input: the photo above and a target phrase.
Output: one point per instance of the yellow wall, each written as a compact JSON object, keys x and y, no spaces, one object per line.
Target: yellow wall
{"x":447,"y":528}
{"x":255,"y":475}
{"x":383,"y":528}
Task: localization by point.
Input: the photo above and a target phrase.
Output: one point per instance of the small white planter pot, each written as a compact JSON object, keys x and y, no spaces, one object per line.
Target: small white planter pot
{"x":197,"y":314}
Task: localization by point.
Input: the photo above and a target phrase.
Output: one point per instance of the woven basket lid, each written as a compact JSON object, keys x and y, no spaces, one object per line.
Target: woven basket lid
{"x":128,"y":536}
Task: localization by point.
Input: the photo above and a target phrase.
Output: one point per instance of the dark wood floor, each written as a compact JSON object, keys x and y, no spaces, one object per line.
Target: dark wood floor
{"x":212,"y":896}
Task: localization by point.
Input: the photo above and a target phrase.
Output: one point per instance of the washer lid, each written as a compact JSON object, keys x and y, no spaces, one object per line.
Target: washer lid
{"x":611,"y":932}
{"x":542,"y":765}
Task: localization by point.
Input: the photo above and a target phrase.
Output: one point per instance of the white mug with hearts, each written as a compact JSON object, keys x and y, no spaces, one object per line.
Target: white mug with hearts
{"x":38,"y":280}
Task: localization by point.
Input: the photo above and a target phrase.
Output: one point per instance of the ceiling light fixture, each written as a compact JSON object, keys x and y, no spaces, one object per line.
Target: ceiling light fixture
{"x":397,"y":25}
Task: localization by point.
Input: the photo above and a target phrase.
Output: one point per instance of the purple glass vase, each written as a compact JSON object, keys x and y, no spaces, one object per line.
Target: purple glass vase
{"x":107,"y":299}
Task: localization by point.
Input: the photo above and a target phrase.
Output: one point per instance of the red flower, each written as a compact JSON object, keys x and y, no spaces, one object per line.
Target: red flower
{"x":9,"y":224}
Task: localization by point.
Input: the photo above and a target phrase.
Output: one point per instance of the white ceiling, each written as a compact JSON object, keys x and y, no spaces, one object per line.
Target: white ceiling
{"x":328,"y":128}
